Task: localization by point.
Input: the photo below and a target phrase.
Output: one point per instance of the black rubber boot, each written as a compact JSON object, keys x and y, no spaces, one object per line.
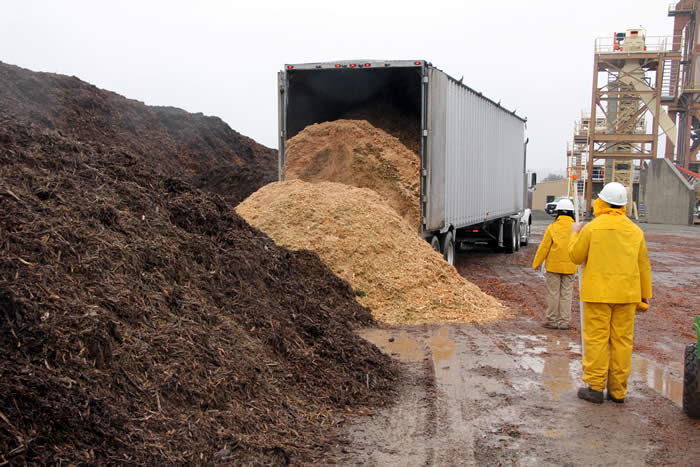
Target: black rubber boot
{"x":615,"y":399}
{"x":590,"y":395}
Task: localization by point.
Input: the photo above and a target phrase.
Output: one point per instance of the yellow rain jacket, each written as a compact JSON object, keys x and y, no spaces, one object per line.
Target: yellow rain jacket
{"x":617,"y":266}
{"x":554,"y":247}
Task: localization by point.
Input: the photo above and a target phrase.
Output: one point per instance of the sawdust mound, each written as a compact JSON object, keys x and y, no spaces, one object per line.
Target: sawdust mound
{"x":142,"y":321}
{"x":356,"y":153}
{"x":393,"y":271}
{"x":400,"y":123}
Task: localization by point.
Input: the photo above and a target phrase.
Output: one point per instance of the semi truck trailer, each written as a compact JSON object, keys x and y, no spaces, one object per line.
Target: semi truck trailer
{"x":473,"y":179}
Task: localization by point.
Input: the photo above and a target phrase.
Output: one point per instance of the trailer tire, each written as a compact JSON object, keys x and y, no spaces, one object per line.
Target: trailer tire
{"x":527,"y":235}
{"x":691,"y":388}
{"x":517,"y":235}
{"x":448,"y":248}
{"x":509,"y":238}
{"x":435,"y":243}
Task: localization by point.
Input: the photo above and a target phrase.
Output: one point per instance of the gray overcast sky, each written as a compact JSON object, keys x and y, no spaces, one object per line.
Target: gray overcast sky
{"x":221,"y":58}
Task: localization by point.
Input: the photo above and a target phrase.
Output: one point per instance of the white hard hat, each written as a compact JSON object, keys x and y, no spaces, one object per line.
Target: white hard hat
{"x":614,"y":193}
{"x":564,"y":205}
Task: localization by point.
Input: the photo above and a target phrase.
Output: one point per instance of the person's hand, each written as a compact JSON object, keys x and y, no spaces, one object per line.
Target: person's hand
{"x":643,"y":305}
{"x":576,"y":227}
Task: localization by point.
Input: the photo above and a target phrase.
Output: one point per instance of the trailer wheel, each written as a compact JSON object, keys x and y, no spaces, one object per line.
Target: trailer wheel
{"x":448,"y":248}
{"x":435,"y":243}
{"x":526,"y":240}
{"x":509,"y":238}
{"x":691,"y":388}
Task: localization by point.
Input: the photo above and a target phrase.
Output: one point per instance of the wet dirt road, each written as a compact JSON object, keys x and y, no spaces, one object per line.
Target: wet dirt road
{"x":505,"y":393}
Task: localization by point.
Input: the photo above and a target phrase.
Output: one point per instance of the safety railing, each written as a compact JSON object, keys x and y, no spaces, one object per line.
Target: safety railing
{"x":692,"y":177}
{"x":671,"y":80}
{"x":652,"y":44}
{"x":581,"y":127}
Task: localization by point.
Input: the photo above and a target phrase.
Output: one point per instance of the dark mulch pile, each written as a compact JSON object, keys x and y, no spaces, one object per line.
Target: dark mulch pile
{"x":143,"y":321}
{"x":175,"y":142}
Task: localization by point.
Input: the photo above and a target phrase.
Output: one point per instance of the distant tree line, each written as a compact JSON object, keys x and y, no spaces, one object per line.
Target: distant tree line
{"x":553,"y":178}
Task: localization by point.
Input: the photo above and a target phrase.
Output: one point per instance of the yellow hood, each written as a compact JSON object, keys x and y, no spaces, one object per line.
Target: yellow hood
{"x":600,"y":207}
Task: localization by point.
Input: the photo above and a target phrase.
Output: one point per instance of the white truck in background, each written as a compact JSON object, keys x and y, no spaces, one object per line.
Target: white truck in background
{"x":474,"y":184}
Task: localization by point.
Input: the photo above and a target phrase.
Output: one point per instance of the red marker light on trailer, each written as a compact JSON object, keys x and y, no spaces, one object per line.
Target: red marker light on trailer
{"x":416,"y":63}
{"x":475,"y":230}
{"x":352,"y":65}
{"x":289,"y":67}
{"x":338,"y":65}
{"x":368,"y":65}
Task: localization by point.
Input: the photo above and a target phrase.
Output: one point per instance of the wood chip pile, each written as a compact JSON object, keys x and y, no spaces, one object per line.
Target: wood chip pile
{"x":364,"y":241}
{"x":143,"y":322}
{"x":356,"y":153}
{"x":383,"y":113}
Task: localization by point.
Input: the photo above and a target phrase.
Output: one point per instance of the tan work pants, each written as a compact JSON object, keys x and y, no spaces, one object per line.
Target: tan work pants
{"x":559,"y":288}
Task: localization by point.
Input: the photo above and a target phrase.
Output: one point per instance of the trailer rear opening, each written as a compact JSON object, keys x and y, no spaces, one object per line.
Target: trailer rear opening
{"x":325,"y":92}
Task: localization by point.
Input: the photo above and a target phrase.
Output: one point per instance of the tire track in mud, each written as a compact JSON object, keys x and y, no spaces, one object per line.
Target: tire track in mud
{"x":447,"y":390}
{"x":430,"y":397}
{"x":403,"y":434}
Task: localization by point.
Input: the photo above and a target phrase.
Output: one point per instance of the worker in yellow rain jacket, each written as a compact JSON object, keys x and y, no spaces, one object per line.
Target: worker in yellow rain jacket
{"x":554,"y":251}
{"x":616,"y":278}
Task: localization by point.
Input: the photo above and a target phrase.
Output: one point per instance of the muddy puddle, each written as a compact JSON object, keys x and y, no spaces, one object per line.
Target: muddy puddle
{"x":556,"y":360}
{"x":485,"y":395}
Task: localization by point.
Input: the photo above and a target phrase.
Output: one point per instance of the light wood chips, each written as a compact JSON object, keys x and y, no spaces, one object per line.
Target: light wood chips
{"x":356,"y":153}
{"x":393,"y":271}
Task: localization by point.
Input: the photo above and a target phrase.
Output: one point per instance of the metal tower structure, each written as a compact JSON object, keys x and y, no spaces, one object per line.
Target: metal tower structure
{"x":623,"y":94}
{"x":577,"y":157}
{"x":682,"y":88}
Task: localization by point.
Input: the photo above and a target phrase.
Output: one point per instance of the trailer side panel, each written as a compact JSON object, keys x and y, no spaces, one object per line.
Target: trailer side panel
{"x":476,"y":156}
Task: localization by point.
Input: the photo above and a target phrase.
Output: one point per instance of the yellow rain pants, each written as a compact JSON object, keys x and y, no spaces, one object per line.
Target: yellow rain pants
{"x":608,"y":329}
{"x":616,"y":277}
